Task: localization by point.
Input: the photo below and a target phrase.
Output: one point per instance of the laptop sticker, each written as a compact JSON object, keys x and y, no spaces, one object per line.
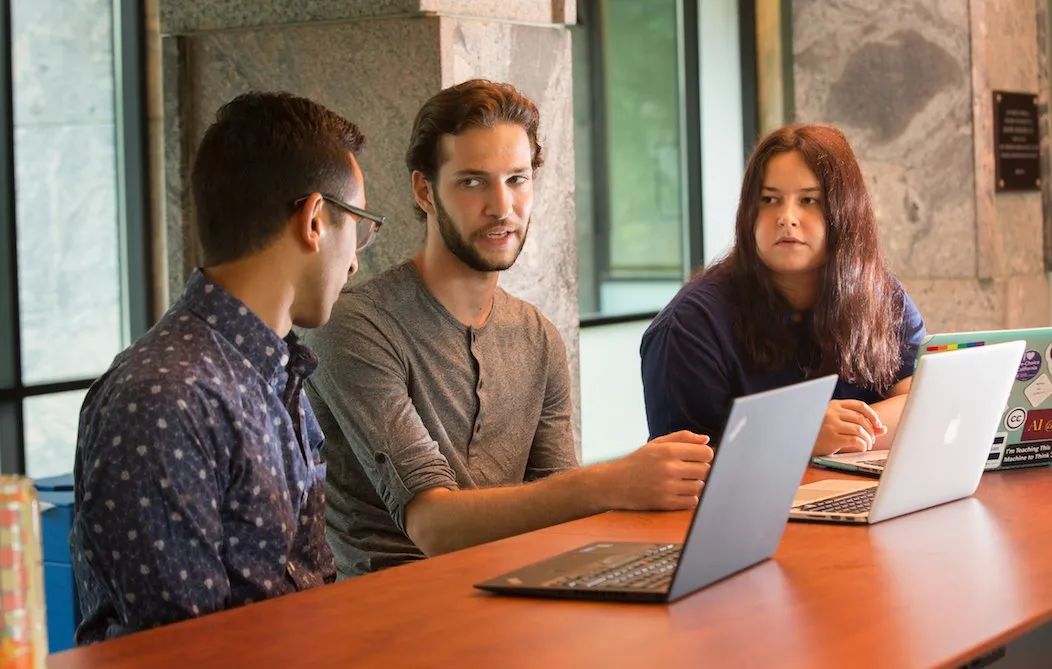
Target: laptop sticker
{"x":1038,"y":425}
{"x":960,"y":345}
{"x":1015,"y":418}
{"x":1048,"y":355}
{"x":1039,"y":391}
{"x":1033,"y":453}
{"x":1029,"y":367}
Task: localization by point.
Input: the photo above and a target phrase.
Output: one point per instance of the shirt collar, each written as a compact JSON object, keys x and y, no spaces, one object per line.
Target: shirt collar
{"x":255,"y":340}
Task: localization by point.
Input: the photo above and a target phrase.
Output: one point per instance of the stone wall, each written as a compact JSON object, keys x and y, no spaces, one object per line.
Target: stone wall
{"x":910,"y":85}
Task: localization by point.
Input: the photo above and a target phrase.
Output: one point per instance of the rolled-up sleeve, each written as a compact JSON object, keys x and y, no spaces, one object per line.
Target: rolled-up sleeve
{"x":363,"y":381}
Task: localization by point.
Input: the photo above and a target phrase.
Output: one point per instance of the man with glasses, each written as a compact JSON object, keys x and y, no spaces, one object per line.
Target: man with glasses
{"x":445,"y":400}
{"x":368,"y":223}
{"x":199,"y":484}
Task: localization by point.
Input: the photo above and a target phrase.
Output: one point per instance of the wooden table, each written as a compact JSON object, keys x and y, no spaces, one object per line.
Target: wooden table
{"x":935,"y":588}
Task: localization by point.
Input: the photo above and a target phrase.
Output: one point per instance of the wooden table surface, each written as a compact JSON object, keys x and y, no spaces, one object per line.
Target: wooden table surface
{"x":934,"y":588}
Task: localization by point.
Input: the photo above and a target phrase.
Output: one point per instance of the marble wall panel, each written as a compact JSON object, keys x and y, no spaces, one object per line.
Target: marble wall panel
{"x":1026,"y":301}
{"x":524,"y":11}
{"x":188,"y":16}
{"x":896,"y":78}
{"x":1010,"y":228}
{"x":956,"y":305}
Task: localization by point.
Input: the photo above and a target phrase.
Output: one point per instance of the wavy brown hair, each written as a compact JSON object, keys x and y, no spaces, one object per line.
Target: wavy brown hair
{"x":857,"y":316}
{"x":476,"y":103}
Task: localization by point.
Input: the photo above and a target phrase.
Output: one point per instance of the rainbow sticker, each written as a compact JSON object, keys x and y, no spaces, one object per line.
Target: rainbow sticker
{"x":954,"y":347}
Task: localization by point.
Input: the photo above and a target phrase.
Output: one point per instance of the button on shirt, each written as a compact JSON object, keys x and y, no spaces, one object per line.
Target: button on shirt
{"x":199,"y":484}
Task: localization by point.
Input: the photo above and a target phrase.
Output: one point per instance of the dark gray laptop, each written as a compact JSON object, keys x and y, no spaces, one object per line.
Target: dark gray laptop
{"x":738,"y":523}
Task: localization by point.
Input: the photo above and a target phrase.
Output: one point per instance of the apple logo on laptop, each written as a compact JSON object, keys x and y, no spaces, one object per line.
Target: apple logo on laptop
{"x":951,"y":431}
{"x":736,"y":430}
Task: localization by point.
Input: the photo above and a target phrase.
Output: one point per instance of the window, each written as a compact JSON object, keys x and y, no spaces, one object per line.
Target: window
{"x":663,"y":113}
{"x":72,"y":229}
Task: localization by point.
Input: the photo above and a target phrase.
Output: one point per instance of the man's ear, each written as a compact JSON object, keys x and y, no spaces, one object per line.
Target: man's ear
{"x":423,"y":193}
{"x":307,"y":224}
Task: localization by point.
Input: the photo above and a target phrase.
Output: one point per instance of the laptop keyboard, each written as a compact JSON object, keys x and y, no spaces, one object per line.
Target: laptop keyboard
{"x":652,"y":569}
{"x":882,"y":462}
{"x":852,"y":502}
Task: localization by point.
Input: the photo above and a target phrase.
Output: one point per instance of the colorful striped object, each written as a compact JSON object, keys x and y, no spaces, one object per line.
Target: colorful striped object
{"x":954,"y":347}
{"x":23,"y":636}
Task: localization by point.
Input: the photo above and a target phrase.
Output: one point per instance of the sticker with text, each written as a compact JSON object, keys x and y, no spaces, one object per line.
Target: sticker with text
{"x":1038,"y":425}
{"x":1028,"y":455}
{"x":1029,"y":366}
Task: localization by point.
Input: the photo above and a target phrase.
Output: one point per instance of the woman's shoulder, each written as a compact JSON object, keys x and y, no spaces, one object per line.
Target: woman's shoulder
{"x":708,"y":291}
{"x":706,"y":298}
{"x":901,"y":297}
{"x":913,"y":327}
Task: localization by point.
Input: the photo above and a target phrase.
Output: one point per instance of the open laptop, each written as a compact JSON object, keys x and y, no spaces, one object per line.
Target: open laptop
{"x":738,"y":522}
{"x":951,"y":414}
{"x":1024,"y":435}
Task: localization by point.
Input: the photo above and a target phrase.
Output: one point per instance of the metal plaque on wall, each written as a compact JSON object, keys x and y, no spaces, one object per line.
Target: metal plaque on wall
{"x":1017,"y":154}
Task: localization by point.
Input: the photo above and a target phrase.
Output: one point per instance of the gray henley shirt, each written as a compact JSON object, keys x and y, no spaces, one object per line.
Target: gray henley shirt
{"x":410,"y":399}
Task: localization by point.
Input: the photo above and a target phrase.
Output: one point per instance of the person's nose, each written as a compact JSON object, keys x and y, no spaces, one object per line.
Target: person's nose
{"x":788,"y":214}
{"x":500,"y":201}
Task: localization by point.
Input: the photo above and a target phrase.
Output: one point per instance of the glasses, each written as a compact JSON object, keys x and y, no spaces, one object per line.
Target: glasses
{"x":368,"y":223}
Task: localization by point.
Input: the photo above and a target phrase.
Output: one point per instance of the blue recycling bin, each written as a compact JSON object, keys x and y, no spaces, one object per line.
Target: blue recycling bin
{"x":60,"y":593}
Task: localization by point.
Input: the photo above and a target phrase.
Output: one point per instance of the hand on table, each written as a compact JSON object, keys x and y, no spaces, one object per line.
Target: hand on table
{"x":849,"y":426}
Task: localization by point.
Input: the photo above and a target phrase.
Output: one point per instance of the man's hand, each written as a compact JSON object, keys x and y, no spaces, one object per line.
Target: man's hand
{"x":665,"y":474}
{"x":849,"y":426}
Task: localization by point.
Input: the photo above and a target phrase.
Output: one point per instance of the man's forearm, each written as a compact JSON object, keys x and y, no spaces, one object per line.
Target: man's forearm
{"x":442,"y":520}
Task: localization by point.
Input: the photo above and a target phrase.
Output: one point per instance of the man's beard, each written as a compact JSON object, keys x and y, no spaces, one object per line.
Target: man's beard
{"x":464,"y":250}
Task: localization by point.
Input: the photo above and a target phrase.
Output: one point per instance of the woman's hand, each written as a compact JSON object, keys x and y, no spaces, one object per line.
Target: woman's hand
{"x":849,"y":426}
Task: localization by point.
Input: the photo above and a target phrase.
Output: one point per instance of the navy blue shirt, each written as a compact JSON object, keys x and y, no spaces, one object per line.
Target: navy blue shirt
{"x":199,"y":484}
{"x":694,"y":365}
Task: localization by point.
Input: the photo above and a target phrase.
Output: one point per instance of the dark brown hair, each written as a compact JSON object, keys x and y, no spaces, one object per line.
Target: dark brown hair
{"x":858,"y":313}
{"x":476,"y":103}
{"x":264,"y":151}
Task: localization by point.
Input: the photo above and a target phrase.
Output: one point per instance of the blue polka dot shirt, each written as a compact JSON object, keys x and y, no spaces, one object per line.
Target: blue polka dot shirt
{"x":199,"y":482}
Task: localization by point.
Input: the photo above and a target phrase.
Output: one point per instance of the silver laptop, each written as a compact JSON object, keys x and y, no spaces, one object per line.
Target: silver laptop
{"x":1023,"y":438}
{"x":738,"y":522}
{"x":939,"y":450}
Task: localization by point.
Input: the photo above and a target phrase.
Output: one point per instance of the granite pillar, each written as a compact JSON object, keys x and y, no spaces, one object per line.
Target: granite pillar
{"x":376,"y":62}
{"x":910,"y":83}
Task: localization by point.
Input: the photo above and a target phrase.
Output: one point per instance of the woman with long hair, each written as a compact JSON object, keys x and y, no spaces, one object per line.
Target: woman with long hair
{"x":804,"y":292}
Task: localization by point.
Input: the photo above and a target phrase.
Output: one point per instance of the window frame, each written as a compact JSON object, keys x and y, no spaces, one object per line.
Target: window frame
{"x":589,"y":17}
